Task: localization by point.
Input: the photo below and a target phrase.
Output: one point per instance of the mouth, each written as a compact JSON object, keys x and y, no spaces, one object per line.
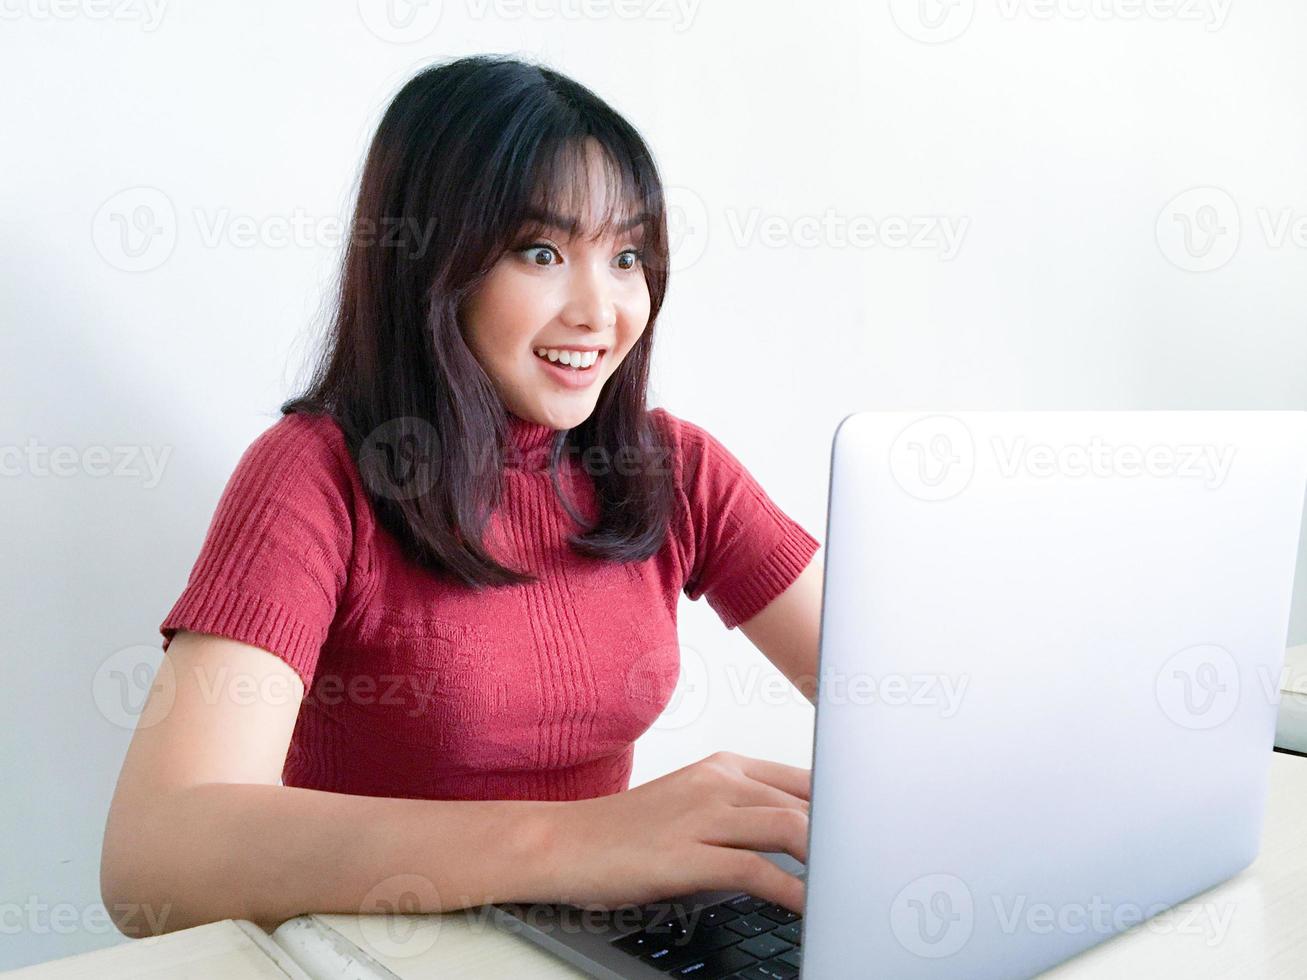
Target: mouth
{"x":570,"y":366}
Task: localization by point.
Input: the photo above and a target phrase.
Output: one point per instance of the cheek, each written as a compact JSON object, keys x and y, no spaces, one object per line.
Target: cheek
{"x":635,"y":308}
{"x":503,"y":317}
{"x":637,"y":318}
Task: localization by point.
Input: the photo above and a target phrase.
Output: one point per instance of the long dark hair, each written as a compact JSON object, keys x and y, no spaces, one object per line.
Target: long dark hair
{"x":465,"y":151}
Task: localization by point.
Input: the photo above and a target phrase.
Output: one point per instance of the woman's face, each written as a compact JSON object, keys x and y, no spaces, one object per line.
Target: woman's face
{"x":558,"y":294}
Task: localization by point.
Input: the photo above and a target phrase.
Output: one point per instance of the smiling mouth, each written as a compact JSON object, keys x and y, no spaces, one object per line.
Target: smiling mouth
{"x":580,"y":361}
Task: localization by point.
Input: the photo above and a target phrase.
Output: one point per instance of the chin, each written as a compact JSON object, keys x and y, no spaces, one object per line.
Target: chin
{"x":570,"y":419}
{"x":569,"y":415}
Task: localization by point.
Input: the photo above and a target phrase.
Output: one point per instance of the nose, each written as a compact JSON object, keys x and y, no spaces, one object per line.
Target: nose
{"x":591,"y":303}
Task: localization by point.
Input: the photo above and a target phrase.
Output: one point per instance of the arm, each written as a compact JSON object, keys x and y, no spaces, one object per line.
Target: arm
{"x":200,"y":828}
{"x":787,"y":630}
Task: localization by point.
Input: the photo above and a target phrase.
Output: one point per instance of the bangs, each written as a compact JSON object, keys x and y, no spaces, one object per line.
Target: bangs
{"x":565,"y":189}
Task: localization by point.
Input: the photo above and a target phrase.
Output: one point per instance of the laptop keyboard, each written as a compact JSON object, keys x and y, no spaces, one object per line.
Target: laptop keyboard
{"x":742,"y":938}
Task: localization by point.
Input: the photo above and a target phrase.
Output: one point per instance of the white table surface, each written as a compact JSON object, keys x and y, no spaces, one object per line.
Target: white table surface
{"x":222,"y":950}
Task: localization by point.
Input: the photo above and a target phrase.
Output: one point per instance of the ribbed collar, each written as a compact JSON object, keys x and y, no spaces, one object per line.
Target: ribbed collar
{"x":528,"y":444}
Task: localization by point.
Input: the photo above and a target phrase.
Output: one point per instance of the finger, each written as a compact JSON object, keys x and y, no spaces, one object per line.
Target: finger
{"x":792,"y":779}
{"x":749,"y":792}
{"x":747,"y":871}
{"x":762,"y":828}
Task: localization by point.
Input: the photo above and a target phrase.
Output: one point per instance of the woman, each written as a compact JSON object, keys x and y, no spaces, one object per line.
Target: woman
{"x":463,"y":546}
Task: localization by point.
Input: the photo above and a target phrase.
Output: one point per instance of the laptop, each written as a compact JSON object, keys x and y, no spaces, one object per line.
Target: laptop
{"x":1048,"y":679}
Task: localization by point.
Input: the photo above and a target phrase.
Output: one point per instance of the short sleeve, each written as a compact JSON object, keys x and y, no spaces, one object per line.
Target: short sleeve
{"x":277,"y":553}
{"x":741,"y":550}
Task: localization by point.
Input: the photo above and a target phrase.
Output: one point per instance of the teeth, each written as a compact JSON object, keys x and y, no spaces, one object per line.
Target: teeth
{"x":575,"y":359}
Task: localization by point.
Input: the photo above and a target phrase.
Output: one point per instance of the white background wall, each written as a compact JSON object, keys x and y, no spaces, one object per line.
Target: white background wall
{"x":1052,"y":146}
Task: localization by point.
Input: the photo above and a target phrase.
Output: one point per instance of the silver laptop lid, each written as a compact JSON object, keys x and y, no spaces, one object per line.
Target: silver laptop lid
{"x":1051,"y":645}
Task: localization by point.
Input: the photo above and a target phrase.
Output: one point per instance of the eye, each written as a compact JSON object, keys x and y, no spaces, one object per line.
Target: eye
{"x":637,"y":256}
{"x":536,"y":246}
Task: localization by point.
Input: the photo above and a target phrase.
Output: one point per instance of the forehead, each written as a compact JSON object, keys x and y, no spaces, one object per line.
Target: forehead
{"x":586,"y":193}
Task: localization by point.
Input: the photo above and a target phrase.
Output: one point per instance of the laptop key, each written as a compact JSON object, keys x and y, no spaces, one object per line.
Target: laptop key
{"x":765,"y":947}
{"x":779,"y":913}
{"x":751,"y":925}
{"x":662,"y":956}
{"x":715,"y":915}
{"x":640,"y":943}
{"x":791,"y":933}
{"x":672,"y":919}
{"x":744,"y":904}
{"x":792,"y":957}
{"x":715,"y":965}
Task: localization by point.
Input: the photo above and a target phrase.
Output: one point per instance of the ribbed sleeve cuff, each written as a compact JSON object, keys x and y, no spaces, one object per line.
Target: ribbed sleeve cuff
{"x":248,"y":619}
{"x":748,"y":594}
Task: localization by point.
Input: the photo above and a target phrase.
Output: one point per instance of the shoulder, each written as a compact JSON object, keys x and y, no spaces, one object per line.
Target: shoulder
{"x":302,"y":432}
{"x":692,"y":446}
{"x":681,"y":435}
{"x":300,"y":440}
{"x":301,"y":458}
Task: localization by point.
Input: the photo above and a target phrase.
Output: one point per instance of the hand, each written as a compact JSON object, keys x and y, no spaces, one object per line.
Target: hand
{"x":691,"y":830}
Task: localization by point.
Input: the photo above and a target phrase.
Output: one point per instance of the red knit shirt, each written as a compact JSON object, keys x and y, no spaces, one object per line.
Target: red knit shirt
{"x":418,"y":686}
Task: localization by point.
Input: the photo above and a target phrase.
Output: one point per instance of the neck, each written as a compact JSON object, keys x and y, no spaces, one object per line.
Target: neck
{"x":528,"y":443}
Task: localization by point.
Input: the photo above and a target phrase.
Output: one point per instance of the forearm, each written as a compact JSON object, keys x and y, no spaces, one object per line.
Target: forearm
{"x":269,"y":853}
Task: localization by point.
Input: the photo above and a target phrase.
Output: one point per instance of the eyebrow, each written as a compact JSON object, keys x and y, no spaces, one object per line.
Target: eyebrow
{"x":570,"y":223}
